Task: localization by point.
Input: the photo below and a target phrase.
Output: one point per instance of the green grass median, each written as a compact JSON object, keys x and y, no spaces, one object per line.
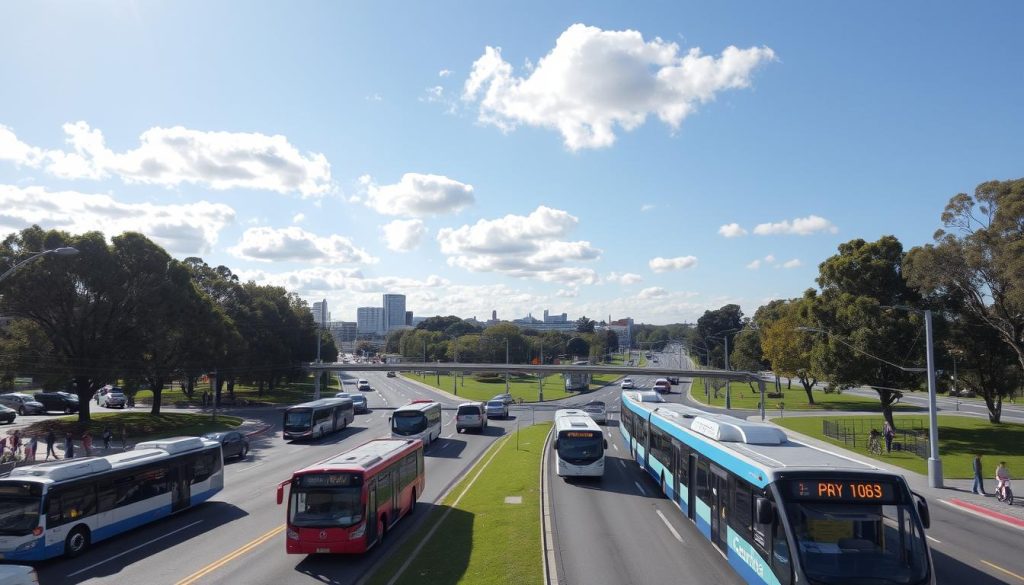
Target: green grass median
{"x":960,"y":438}
{"x":288,"y":393}
{"x":746,"y":397}
{"x":521,"y":386}
{"x":480,"y":538}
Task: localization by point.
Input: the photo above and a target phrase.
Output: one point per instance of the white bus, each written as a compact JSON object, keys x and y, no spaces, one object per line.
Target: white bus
{"x":579,"y":444}
{"x":420,"y":419}
{"x":61,"y":507}
{"x":311,"y":420}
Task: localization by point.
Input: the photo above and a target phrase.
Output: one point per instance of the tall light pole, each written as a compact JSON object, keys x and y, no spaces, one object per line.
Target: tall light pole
{"x":63,"y":251}
{"x":319,"y":338}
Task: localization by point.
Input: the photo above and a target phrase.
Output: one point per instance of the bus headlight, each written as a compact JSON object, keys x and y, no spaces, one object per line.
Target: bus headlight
{"x":28,"y":545}
{"x":358,"y":532}
{"x":292,"y":534}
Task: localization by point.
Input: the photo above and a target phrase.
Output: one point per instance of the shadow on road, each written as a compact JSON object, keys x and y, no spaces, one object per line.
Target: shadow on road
{"x":950,"y":571}
{"x":446,"y":448}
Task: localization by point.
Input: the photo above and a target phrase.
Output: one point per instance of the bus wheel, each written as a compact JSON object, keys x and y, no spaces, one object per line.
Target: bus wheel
{"x":76,"y":542}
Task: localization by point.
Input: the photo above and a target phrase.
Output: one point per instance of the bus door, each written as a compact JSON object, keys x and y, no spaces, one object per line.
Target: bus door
{"x":719,"y":479}
{"x":676,"y":467}
{"x":181,"y":485}
{"x":334,"y":418}
{"x":691,"y":502}
{"x":371,"y":513}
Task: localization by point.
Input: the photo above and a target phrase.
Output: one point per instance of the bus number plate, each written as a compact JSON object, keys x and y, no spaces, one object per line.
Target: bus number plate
{"x":323,"y":550}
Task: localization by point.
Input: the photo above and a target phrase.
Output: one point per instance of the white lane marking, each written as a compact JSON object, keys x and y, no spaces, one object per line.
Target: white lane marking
{"x":935,"y":540}
{"x":247,"y":468}
{"x":450,"y":436}
{"x":614,"y":446}
{"x":641,"y":488}
{"x":108,"y":559}
{"x":669,"y":526}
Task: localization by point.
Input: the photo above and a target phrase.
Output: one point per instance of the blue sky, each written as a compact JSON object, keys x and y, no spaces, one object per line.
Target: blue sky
{"x":345,"y":150}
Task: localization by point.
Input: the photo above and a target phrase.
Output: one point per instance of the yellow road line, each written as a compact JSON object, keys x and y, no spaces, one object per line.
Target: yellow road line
{"x":230,"y":557}
{"x":1011,"y":573}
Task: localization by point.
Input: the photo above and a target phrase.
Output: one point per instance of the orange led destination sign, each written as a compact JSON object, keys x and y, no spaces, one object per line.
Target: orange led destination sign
{"x":580,"y":434}
{"x":844,"y":490}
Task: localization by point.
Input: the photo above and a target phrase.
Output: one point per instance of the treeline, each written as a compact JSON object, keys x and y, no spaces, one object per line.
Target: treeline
{"x":127,"y":311}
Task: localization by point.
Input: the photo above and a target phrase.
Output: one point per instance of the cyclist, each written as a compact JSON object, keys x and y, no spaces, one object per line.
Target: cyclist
{"x":1002,"y":478}
{"x":874,"y":442}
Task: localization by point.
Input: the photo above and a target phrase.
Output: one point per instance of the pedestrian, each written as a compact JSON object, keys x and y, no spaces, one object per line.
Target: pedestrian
{"x":131,"y":400}
{"x":30,"y":449}
{"x":979,"y":484}
{"x":3,"y":447}
{"x":107,"y":436}
{"x":87,"y":443}
{"x":889,"y":433}
{"x":16,"y":443}
{"x":204,"y":398}
{"x":51,"y":438}
{"x":69,"y":446}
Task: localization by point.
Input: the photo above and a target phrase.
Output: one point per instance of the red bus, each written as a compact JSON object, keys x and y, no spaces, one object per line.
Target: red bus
{"x":347,"y":503}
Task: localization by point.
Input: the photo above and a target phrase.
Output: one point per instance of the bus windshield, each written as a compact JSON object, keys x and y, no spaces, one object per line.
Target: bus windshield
{"x":858,"y":543}
{"x":408,"y":423}
{"x":325,"y":507}
{"x":580,"y":447}
{"x":297,"y":420}
{"x":18,"y":516}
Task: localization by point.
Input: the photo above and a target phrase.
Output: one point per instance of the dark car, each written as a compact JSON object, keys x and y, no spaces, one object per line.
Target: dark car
{"x":232,"y":443}
{"x":22,"y":403}
{"x":62,"y":401}
{"x":7,"y":415}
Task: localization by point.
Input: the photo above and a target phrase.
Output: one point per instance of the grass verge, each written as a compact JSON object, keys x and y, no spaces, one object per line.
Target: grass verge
{"x":290,"y":393}
{"x":960,"y":438}
{"x":138,"y":426}
{"x":520,"y":386}
{"x":745,"y":396}
{"x":482,"y":540}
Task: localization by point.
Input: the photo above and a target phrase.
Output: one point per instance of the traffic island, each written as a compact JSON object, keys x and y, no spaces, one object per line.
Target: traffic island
{"x":486,"y":530}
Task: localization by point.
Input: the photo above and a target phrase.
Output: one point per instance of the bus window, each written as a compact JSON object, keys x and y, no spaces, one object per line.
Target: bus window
{"x":781,"y":565}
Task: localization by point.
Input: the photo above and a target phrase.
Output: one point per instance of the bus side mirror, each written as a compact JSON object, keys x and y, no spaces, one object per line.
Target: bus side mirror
{"x":606,"y":443}
{"x":765,"y":511}
{"x":922,"y":511}
{"x":280,"y":494}
{"x":389,"y":420}
{"x":555,"y":445}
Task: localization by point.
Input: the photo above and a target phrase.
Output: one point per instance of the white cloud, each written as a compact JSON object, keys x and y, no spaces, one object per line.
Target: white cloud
{"x":770,"y":258}
{"x":567,"y":293}
{"x":679,"y":263}
{"x":625,"y":278}
{"x":444,"y":73}
{"x":652,"y":292}
{"x":186,"y":229}
{"x":801,"y":226}
{"x":732,"y":230}
{"x":373,"y":97}
{"x":595,"y":80}
{"x":318,"y":280}
{"x":646,"y":207}
{"x":754,"y":265}
{"x":521,"y":246}
{"x":299,"y":218}
{"x":267,"y":244}
{"x":172,"y":156}
{"x":418,"y":195}
{"x":403,"y":235}
{"x":794,"y":263}
{"x":433,"y":94}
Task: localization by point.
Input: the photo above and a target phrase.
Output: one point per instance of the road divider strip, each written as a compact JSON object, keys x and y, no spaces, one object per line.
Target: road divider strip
{"x":230,"y":557}
{"x":984,"y":512}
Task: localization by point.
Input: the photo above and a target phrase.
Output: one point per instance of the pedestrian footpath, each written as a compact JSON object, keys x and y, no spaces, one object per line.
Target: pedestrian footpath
{"x":955,"y":493}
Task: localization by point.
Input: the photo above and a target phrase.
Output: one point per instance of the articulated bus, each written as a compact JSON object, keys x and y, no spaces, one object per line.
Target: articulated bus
{"x":420,"y":419}
{"x":347,"y":503}
{"x":579,"y":445}
{"x":780,"y":511}
{"x":61,"y":507}
{"x":315,"y":419}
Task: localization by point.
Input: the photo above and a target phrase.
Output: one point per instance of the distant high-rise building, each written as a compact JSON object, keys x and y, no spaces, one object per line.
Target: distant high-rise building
{"x":370,"y":320}
{"x":321,"y":315}
{"x":494,"y":315}
{"x":408,"y":318}
{"x":343,"y":331}
{"x":563,"y":318}
{"x":394,"y":311}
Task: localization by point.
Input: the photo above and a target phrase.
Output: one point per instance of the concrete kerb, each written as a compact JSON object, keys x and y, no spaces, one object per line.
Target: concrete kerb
{"x":548,"y":554}
{"x":955,"y":493}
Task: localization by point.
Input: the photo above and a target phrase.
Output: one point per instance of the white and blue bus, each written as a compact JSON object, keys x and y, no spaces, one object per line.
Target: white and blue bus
{"x":61,"y":507}
{"x":312,"y":420}
{"x":579,"y":444}
{"x":420,"y":419}
{"x":577,"y":381}
{"x":781,"y":511}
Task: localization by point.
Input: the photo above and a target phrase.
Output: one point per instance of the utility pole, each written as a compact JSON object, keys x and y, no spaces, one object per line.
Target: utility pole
{"x":540,"y":377}
{"x":506,"y":363}
{"x":934,"y":463}
{"x":728,"y":383}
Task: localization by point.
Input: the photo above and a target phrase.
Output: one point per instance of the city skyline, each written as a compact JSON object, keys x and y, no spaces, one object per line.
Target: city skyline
{"x":651,"y":163}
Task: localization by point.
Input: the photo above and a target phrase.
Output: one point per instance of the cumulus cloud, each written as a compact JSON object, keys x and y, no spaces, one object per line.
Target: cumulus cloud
{"x":754,"y":265}
{"x":652,"y":292}
{"x":801,"y":226}
{"x":433,"y":94}
{"x":567,"y":293}
{"x":626,"y":278}
{"x":595,"y":81}
{"x":418,"y":195}
{"x":299,"y":218}
{"x":294,"y":244}
{"x":172,"y":156}
{"x":660,"y":264}
{"x":732,"y":230}
{"x":444,"y":73}
{"x":794,"y":263}
{"x":321,"y":279}
{"x":770,"y":258}
{"x":403,"y":235}
{"x":186,"y":229}
{"x":521,"y":246}
{"x":646,"y":207}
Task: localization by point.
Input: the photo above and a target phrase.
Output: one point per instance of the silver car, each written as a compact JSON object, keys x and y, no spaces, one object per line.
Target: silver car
{"x":597,"y":411}
{"x":496,"y":408}
{"x":471,"y":416}
{"x":358,"y":401}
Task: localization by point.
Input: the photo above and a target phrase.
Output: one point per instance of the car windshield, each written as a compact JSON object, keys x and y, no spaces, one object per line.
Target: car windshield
{"x":18,"y":516}
{"x":408,"y":423}
{"x":214,"y":436}
{"x":297,"y":420}
{"x":342,"y":395}
{"x":858,"y":544}
{"x":326,"y":507}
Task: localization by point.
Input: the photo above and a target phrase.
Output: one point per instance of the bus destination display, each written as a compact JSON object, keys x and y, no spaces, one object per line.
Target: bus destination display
{"x":843,"y":490}
{"x":315,"y":480}
{"x":579,"y":434}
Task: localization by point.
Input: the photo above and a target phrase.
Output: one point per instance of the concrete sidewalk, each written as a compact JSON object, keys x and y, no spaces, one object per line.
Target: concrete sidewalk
{"x":955,"y":493}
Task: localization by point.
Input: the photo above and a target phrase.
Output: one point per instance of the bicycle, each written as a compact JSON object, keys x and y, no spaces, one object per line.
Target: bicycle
{"x":874,"y":446}
{"x":1004,"y":493}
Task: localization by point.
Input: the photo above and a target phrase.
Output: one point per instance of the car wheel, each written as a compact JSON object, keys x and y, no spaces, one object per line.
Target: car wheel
{"x":76,"y":542}
{"x":21,"y":411}
{"x":67,"y":410}
{"x":244,"y":452}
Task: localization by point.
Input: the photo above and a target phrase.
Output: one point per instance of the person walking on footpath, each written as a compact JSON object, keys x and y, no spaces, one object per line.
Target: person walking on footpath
{"x":16,"y":443}
{"x":888,"y":432}
{"x":69,"y":446}
{"x":30,"y":449}
{"x":51,"y":438}
{"x":979,"y":483}
{"x":107,"y":436}
{"x":87,"y":443}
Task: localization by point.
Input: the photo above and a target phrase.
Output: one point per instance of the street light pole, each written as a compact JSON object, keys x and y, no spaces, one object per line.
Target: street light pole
{"x":63,"y":251}
{"x":934,"y":463}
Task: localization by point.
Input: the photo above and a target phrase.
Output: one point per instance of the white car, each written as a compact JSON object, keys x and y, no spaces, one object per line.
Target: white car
{"x":111,"y":398}
{"x":597,"y":411}
{"x":627,"y":384}
{"x":363,"y":385}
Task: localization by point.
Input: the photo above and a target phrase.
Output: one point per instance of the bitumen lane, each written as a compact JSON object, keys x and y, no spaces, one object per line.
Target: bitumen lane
{"x":238,"y":536}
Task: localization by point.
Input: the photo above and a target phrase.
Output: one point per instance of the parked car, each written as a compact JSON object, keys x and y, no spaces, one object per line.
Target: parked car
{"x":627,"y":384}
{"x":111,"y":397}
{"x":22,"y":403}
{"x":358,"y":401}
{"x":363,"y":385}
{"x":505,"y":398}
{"x":597,"y":411}
{"x":496,"y":408}
{"x":391,"y":374}
{"x":472,"y":415}
{"x":232,"y":443}
{"x":62,"y":401}
{"x":7,"y":415}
